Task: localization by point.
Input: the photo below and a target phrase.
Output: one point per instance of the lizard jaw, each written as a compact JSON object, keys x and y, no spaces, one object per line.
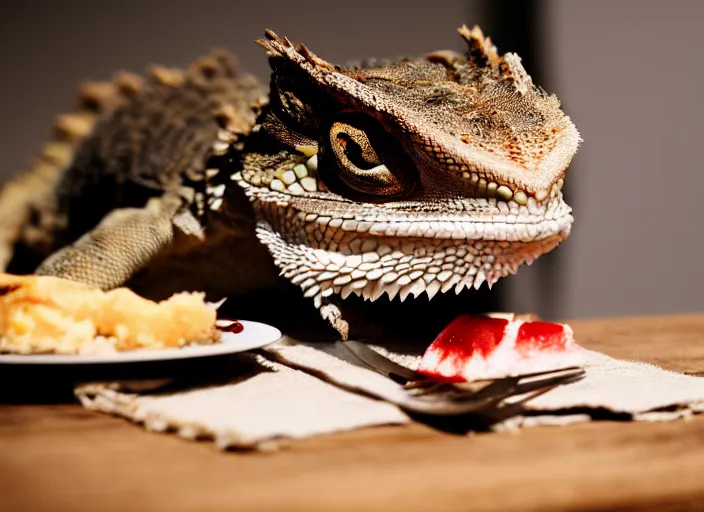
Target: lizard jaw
{"x":324,"y":259}
{"x":331,"y":247}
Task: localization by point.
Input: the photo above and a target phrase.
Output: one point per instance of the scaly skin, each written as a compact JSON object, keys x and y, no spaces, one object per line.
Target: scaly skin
{"x":416,"y":176}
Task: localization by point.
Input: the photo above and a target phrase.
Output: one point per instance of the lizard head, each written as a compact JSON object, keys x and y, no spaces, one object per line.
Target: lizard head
{"x":418,"y":175}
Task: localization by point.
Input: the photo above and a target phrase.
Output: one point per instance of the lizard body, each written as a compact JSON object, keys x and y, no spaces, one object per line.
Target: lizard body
{"x":418,"y":176}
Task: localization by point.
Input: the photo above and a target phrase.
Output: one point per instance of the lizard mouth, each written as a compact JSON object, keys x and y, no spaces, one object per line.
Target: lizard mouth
{"x":334,"y":225}
{"x":324,"y":220}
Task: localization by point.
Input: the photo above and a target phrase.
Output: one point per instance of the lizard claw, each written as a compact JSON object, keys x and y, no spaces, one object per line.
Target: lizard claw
{"x":332,"y":314}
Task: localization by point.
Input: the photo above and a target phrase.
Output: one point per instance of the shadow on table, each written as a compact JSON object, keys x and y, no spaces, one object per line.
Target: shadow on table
{"x":54,"y":384}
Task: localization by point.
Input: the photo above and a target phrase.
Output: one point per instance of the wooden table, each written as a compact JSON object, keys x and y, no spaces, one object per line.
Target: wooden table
{"x":61,"y":457}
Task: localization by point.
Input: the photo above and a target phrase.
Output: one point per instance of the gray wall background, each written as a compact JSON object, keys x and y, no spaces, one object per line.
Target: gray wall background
{"x":629,"y":73}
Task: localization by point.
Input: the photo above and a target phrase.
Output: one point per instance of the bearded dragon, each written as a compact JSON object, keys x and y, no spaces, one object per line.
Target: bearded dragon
{"x":406,"y":177}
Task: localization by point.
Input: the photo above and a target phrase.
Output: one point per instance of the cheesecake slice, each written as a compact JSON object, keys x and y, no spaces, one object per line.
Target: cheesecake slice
{"x":476,"y":347}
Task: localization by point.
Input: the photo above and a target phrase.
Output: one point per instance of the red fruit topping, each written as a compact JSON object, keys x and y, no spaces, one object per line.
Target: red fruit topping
{"x":464,"y":338}
{"x":235,"y":327}
{"x":469,"y":334}
{"x":536,"y":336}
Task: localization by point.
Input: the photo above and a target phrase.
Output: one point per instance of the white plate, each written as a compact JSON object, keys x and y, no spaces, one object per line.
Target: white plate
{"x":254,"y":335}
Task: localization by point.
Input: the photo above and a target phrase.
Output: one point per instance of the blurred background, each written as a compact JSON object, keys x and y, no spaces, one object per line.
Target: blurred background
{"x":628,"y":72}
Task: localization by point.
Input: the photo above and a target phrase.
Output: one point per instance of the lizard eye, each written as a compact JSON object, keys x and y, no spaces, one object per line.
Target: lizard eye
{"x":360,"y":167}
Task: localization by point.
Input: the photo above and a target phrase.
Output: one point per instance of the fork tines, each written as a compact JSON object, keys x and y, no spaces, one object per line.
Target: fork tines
{"x":427,"y":395}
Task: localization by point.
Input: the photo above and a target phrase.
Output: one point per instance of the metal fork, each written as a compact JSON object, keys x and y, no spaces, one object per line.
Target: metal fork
{"x":425,"y":395}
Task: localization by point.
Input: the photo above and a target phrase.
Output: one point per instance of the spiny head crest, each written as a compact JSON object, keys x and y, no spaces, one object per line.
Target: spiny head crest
{"x":481,"y":52}
{"x":483,"y":55}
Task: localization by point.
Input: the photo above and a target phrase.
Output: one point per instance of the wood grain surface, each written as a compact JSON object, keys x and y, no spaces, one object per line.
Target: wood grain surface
{"x":60,"y":457}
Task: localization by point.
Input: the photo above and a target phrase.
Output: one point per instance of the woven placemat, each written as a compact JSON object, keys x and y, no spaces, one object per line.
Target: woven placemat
{"x":296,"y":390}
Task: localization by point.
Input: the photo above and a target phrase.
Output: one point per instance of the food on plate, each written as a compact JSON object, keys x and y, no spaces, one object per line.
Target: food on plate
{"x":44,"y":314}
{"x":474,"y":347}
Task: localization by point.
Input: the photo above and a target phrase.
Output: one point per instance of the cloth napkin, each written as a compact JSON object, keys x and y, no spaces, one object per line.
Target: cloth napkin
{"x":295,"y":390}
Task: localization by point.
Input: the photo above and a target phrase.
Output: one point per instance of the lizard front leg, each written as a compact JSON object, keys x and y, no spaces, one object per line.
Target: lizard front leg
{"x":125,"y":241}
